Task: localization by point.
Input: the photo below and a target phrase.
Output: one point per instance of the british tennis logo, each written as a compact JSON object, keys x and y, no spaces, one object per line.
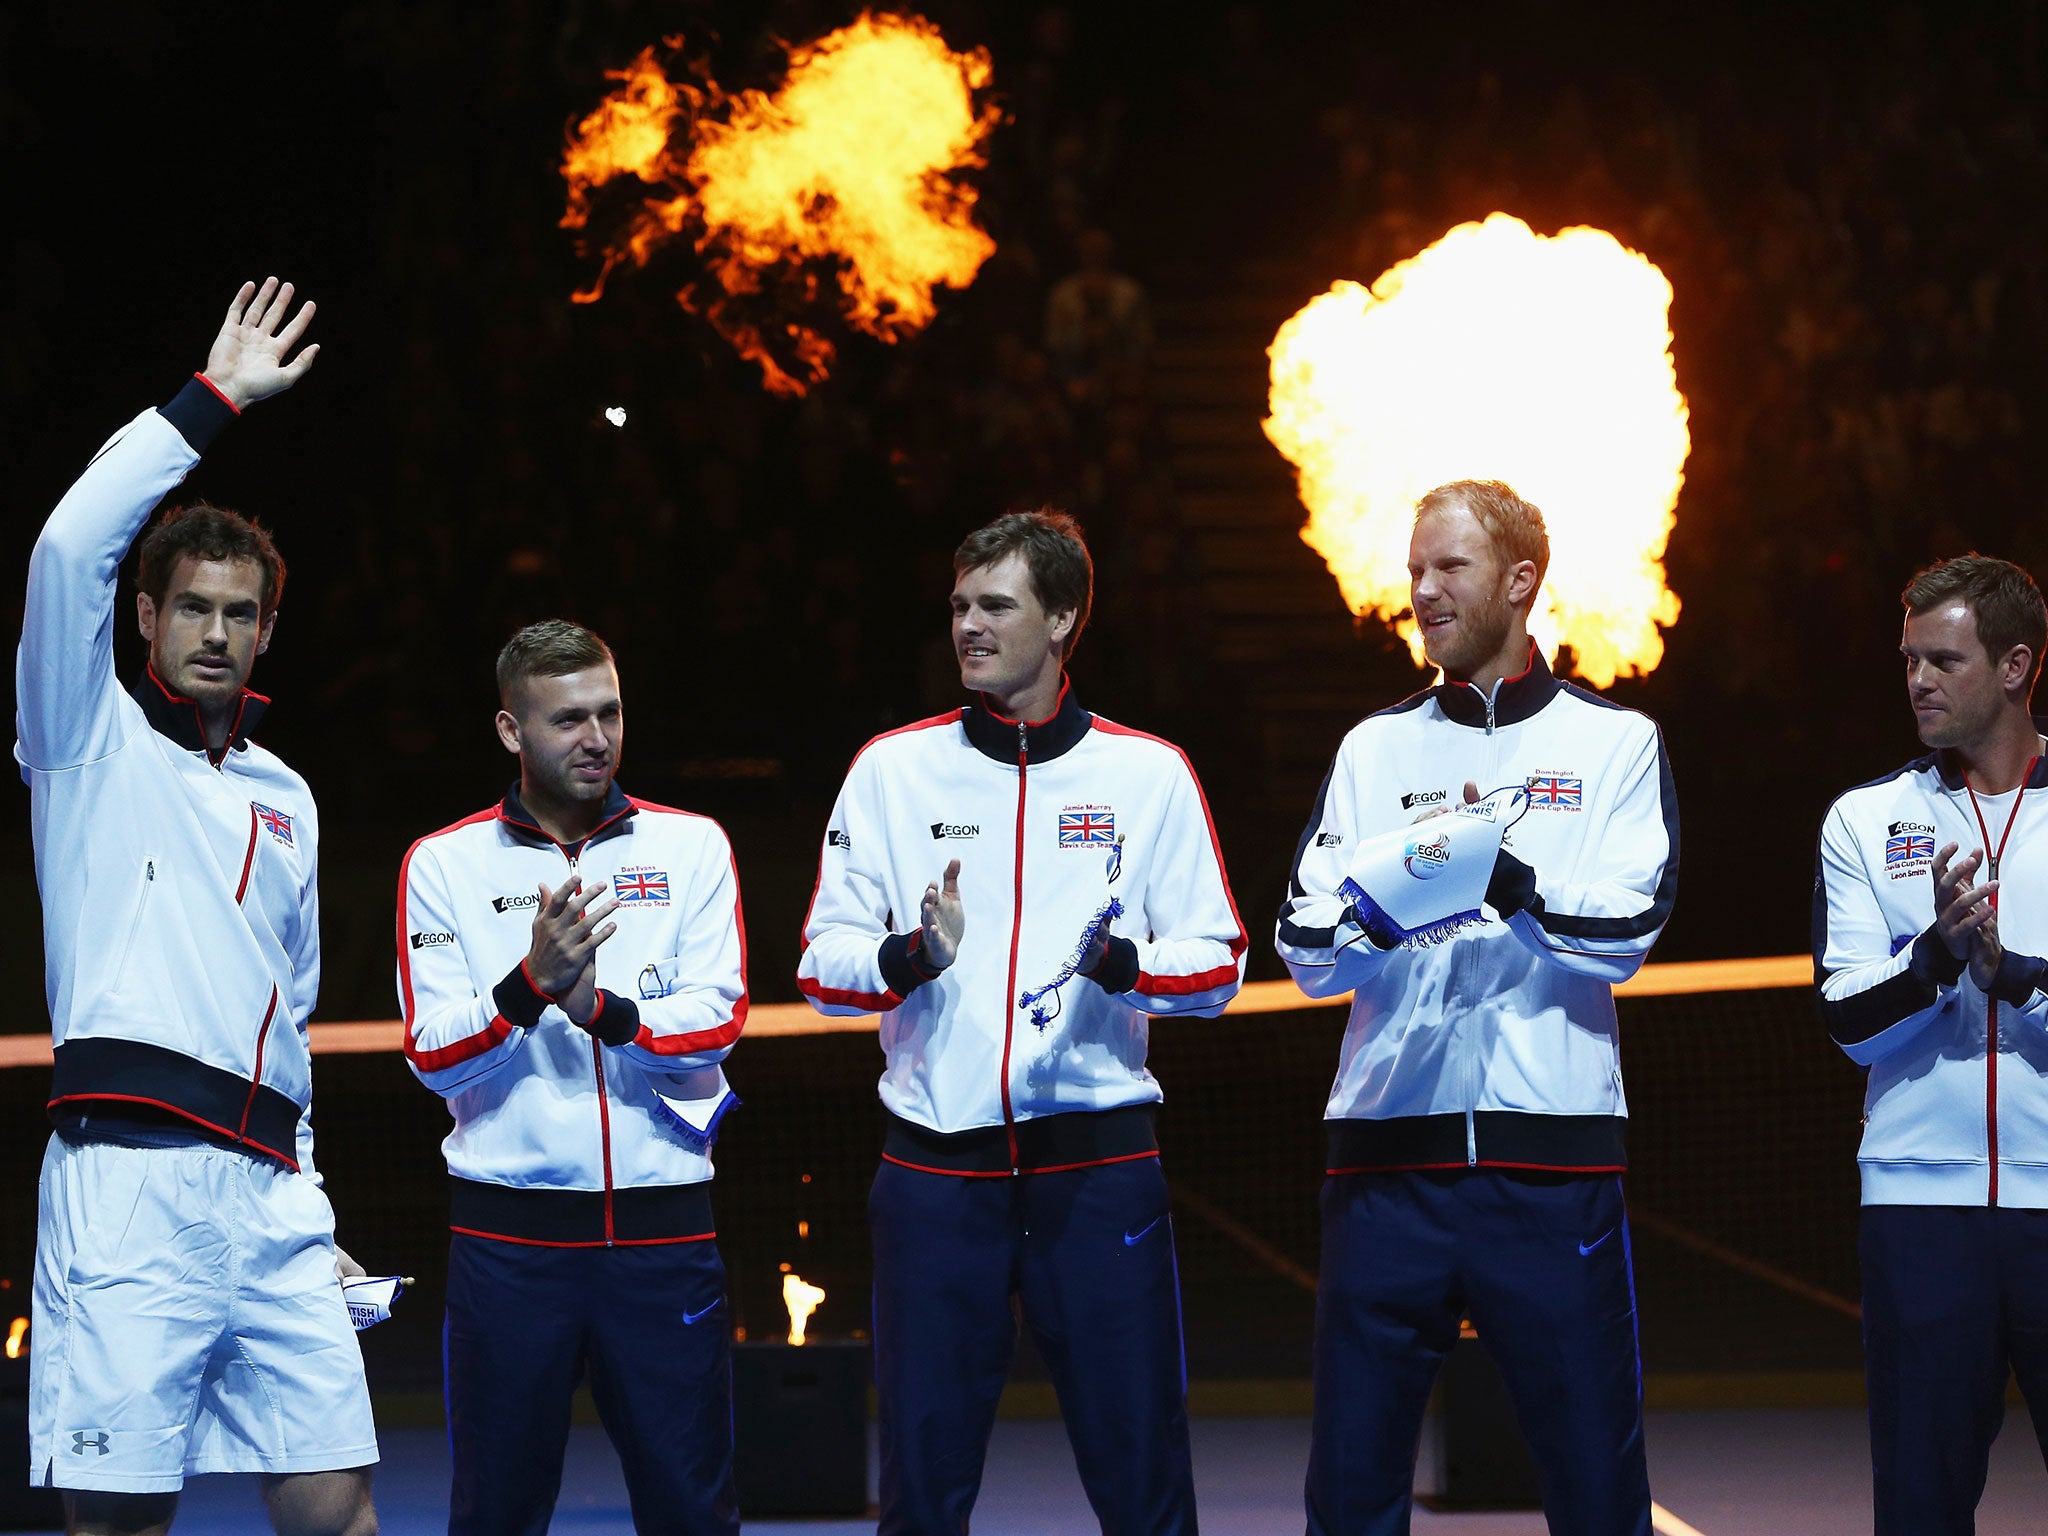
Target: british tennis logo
{"x":1088,"y":826}
{"x":277,"y":822}
{"x":1555,"y":792}
{"x":641,"y":887}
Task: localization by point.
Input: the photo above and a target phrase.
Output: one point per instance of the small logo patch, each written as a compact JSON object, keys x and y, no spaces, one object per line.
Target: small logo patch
{"x":1087,"y":826}
{"x":699,"y":1315}
{"x":834,"y":838}
{"x":1427,"y":856}
{"x":1586,"y":1248}
{"x":276,"y":822}
{"x":1329,"y":839}
{"x":1132,"y":1239}
{"x":1424,"y":797}
{"x":643,"y":886}
{"x":515,"y":903}
{"x":945,"y":829}
{"x":431,"y":940}
{"x":1555,"y":792}
{"x":81,"y":1442}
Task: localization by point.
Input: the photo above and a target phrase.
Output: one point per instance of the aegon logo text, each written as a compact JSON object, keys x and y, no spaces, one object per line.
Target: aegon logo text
{"x":431,"y":940}
{"x":514,"y":903}
{"x":1423,"y":797}
{"x":945,"y":829}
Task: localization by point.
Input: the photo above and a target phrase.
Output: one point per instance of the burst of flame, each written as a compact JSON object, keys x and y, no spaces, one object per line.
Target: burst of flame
{"x":802,"y":1298}
{"x":16,"y":1331}
{"x":627,"y":135}
{"x":1496,"y":354}
{"x":851,"y":162}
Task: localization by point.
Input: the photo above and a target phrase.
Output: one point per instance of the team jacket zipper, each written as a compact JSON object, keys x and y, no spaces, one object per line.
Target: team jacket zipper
{"x":604,"y":1104}
{"x":1996,"y":857}
{"x":604,"y":1107}
{"x":1016,"y":935}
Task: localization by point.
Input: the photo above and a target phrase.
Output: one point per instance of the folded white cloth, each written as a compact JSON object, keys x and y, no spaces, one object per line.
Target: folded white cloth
{"x":369,"y":1298}
{"x":693,"y":1102}
{"x":1419,"y":884}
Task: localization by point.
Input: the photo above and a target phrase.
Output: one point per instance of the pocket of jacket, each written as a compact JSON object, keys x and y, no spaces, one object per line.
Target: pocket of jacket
{"x":145,"y":884}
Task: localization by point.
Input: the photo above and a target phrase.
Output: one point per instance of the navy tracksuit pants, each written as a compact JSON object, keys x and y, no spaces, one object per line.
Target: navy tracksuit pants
{"x":1540,"y":1263}
{"x":1088,"y":1256}
{"x":1954,"y":1297}
{"x":648,"y":1322}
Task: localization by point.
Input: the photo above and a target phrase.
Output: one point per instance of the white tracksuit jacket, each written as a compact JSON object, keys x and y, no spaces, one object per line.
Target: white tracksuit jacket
{"x":998,"y":1064}
{"x":1947,"y":1121}
{"x":180,"y":914}
{"x":563,"y":1135}
{"x":1497,"y":1047}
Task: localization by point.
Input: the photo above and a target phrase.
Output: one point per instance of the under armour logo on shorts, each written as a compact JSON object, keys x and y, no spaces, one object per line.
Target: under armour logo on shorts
{"x":80,"y":1440}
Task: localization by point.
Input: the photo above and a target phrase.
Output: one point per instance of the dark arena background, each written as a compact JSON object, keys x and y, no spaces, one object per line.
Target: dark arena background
{"x":1848,"y":201}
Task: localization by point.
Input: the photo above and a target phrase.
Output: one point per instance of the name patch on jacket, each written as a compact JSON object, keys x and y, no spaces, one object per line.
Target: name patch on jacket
{"x":1908,"y":848}
{"x":1088,"y":826}
{"x":642,"y":886}
{"x":1555,"y":792}
{"x":277,"y":823}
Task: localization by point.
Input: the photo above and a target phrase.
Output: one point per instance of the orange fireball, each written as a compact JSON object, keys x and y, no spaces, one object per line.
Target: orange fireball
{"x":1500,"y":354}
{"x":851,"y":163}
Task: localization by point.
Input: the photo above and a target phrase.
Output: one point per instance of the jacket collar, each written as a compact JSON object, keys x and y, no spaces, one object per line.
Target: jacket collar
{"x":995,"y":735}
{"x":1515,"y":698}
{"x":617,"y":807}
{"x":173,"y":715}
{"x":1951,"y":772}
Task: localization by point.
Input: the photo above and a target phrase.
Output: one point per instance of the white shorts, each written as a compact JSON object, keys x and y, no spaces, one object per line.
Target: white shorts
{"x":187,"y":1319}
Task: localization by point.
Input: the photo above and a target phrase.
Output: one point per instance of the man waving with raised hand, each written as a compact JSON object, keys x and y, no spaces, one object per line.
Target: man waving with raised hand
{"x":204,"y":1330}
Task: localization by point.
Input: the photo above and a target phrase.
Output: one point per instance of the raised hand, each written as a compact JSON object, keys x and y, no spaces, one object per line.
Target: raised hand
{"x":1960,"y":909}
{"x":568,"y":925}
{"x":943,"y":919}
{"x":246,"y":362}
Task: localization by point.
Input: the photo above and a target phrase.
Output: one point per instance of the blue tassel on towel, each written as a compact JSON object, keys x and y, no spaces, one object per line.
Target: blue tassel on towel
{"x":1389,"y":934}
{"x":1042,"y":1016}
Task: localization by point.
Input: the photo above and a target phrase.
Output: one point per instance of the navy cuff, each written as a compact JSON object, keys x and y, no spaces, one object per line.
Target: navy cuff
{"x":199,"y":412}
{"x":2018,"y":978}
{"x":1932,"y":962}
{"x":518,"y":999}
{"x":1513,"y":886}
{"x":617,"y":1020}
{"x":1118,"y":970}
{"x":903,"y":966}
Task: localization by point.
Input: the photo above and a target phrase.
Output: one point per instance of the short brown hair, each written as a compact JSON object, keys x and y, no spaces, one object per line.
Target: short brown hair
{"x":2004,"y":599}
{"x":1514,"y":527}
{"x":1062,"y":574}
{"x":551,"y":648}
{"x":203,"y":531}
